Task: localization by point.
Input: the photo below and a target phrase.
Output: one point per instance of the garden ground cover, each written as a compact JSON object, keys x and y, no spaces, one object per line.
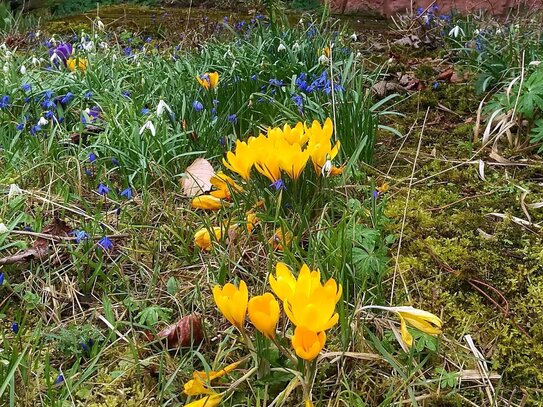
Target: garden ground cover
{"x":100,"y":196}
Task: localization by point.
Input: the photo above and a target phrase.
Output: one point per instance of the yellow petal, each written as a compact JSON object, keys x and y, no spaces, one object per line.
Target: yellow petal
{"x":407,"y":338}
{"x":210,"y":401}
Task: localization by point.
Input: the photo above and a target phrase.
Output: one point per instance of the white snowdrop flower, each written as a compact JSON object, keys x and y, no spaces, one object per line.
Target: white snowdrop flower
{"x":296,"y":47}
{"x":104,"y":45}
{"x":14,"y":190}
{"x":35,"y":61}
{"x":354,"y":37}
{"x":6,"y":67}
{"x":326,"y":168}
{"x":534,"y":63}
{"x":456,"y":31}
{"x":324,"y":60}
{"x":148,"y":126}
{"x":23,"y":69}
{"x":160,"y":108}
{"x":3,"y":229}
{"x":114,"y":57}
{"x":88,"y":46}
{"x":476,"y":32}
{"x":55,"y":57}
{"x":43,"y":121}
{"x":38,"y":34}
{"x":281,"y":48}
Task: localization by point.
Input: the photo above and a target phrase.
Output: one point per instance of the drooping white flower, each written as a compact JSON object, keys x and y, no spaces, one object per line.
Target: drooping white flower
{"x":296,"y":47}
{"x":100,"y":24}
{"x":43,"y":121}
{"x":55,"y":57}
{"x":160,"y":108}
{"x":324,"y":60}
{"x":35,"y":61}
{"x":354,"y":37}
{"x":150,"y":126}
{"x":456,"y":31}
{"x":88,"y":46}
{"x":22,"y":69}
{"x":281,"y":48}
{"x":326,"y":168}
{"x":3,"y":229}
{"x":14,"y":190}
{"x":534,"y":63}
{"x":104,"y":45}
{"x":6,"y":67}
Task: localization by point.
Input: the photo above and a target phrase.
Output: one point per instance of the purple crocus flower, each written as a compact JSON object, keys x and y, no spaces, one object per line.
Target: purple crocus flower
{"x":63,"y":51}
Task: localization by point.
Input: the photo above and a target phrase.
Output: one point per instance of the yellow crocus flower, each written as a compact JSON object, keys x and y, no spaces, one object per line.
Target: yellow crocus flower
{"x":76,"y":63}
{"x":251,"y":221}
{"x":225,"y":185}
{"x":208,"y":80}
{"x":284,"y":283}
{"x":264,"y":312}
{"x":232,"y":302}
{"x":424,"y":321}
{"x":292,"y":160}
{"x":210,"y":401}
{"x":295,"y":134}
{"x":278,"y":241}
{"x":319,"y":145}
{"x":202,"y":237}
{"x":198,"y":386}
{"x":208,"y":202}
{"x":242,"y":161}
{"x":312,"y":305}
{"x":307,"y":344}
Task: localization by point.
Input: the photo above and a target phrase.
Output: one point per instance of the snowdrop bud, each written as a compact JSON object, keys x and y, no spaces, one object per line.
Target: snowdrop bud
{"x":100,"y":25}
{"x":3,"y":229}
{"x":35,"y":61}
{"x":6,"y":67}
{"x":43,"y":121}
{"x":23,"y":69}
{"x":281,"y":48}
{"x":160,"y":108}
{"x":296,"y":47}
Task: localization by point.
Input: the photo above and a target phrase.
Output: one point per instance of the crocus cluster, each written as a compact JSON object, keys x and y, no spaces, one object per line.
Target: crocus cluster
{"x":292,"y":148}
{"x":308,"y":304}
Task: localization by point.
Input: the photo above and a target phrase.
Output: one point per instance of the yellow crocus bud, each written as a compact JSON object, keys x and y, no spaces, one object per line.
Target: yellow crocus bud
{"x":202,"y":237}
{"x":232,"y":302}
{"x":307,"y":344}
{"x":264,"y":314}
{"x":207,"y":202}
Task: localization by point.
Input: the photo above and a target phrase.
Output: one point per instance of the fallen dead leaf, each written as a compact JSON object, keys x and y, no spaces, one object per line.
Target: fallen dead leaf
{"x":197,"y":178}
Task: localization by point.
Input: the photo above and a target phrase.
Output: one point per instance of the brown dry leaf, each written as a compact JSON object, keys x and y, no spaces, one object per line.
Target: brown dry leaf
{"x":40,"y":248}
{"x":197,"y":178}
{"x":185,"y":332}
{"x":445,"y":75}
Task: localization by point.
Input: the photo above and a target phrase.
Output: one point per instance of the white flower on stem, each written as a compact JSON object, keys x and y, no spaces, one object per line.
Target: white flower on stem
{"x":327,"y":168}
{"x":296,"y":47}
{"x":456,"y":31}
{"x":55,"y":57}
{"x":354,"y":37}
{"x":534,"y":63}
{"x":14,"y":190}
{"x":148,"y":126}
{"x":161,"y":106}
{"x":104,"y":45}
{"x":281,"y":48}
{"x":43,"y":121}
{"x":35,"y":61}
{"x":6,"y":67}
{"x":324,"y":60}
{"x":100,"y":25}
{"x":3,"y":229}
{"x":88,"y":46}
{"x":23,"y":69}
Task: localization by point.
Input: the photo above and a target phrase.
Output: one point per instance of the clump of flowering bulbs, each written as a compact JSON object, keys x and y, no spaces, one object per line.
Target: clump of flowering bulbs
{"x":309,"y":305}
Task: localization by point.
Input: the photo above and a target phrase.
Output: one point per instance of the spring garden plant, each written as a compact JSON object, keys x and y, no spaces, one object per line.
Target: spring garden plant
{"x":98,"y":131}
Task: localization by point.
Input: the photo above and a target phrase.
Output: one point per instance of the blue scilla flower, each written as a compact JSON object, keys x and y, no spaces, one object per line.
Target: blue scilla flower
{"x":27,"y":87}
{"x":105,"y":243}
{"x":60,"y":379}
{"x":88,"y":95}
{"x":92,"y":157}
{"x":80,"y":235}
{"x":88,"y":172}
{"x":15,"y":328}
{"x":197,"y":106}
{"x":278,"y":185}
{"x":27,"y":99}
{"x":254,"y":77}
{"x":2,"y":278}
{"x":115,"y":162}
{"x":144,"y":111}
{"x":126,"y":93}
{"x":103,"y":189}
{"x":233,"y":118}
{"x":35,"y":129}
{"x":5,"y":102}
{"x":127,"y":51}
{"x":127,"y":193}
{"x":20,"y":126}
{"x":67,"y":98}
{"x":48,"y":104}
{"x":275,"y":82}
{"x":298,"y":100}
{"x":49,"y":114}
